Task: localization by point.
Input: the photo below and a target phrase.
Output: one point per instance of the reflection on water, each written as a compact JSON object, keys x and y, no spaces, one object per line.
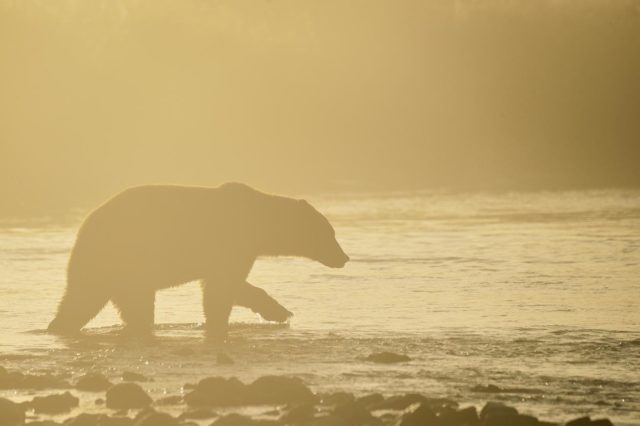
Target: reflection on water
{"x":536,"y":293}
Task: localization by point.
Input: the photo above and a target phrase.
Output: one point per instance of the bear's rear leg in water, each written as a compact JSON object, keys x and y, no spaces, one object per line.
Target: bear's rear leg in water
{"x":137,"y":309}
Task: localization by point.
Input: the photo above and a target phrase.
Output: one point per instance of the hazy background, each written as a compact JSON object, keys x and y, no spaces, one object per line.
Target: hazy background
{"x":314,"y":96}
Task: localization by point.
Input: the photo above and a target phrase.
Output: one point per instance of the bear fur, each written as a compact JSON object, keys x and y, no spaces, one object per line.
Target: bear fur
{"x":152,"y":237}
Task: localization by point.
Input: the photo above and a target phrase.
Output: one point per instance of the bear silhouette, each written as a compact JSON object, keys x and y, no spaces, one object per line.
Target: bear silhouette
{"x":152,"y":237}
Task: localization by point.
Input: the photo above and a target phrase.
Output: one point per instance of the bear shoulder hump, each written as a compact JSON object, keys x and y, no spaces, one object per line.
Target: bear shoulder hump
{"x":236,"y":187}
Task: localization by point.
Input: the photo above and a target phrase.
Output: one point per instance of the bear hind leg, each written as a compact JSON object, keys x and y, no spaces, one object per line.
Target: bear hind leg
{"x":137,"y":311}
{"x":217,"y":300}
{"x":78,"y":306}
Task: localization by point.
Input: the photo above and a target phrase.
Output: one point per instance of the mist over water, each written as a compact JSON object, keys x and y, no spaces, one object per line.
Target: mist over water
{"x":329,"y":95}
{"x":534,"y":292}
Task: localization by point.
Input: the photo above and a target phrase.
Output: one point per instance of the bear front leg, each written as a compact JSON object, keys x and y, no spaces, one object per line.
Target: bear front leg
{"x":217,"y":300}
{"x":259,"y":301}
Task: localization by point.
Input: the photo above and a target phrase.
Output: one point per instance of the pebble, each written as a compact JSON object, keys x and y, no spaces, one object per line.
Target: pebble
{"x":10,"y":413}
{"x":93,"y":382}
{"x":127,"y":396}
{"x":54,"y":404}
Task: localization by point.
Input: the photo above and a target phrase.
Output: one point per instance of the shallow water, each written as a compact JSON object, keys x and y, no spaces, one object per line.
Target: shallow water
{"x":537,"y":292}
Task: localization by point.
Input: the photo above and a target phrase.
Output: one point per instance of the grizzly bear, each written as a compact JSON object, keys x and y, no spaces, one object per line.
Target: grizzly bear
{"x":148,"y":238}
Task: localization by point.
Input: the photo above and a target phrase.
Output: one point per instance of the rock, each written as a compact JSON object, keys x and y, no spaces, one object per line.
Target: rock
{"x":224,"y":359}
{"x":387,"y":358}
{"x":330,"y":420}
{"x":419,"y":416}
{"x":495,"y":389}
{"x":170,"y":400}
{"x":16,"y":380}
{"x":299,"y":414}
{"x":278,"y":390}
{"x":126,"y":396}
{"x":400,"y":402}
{"x":198,"y":414}
{"x":129,"y":376}
{"x":153,"y":418}
{"x":216,"y":391}
{"x":486,"y":389}
{"x":239,"y":420}
{"x":93,"y":382}
{"x":496,"y":409}
{"x":371,"y":400}
{"x":10,"y":412}
{"x":85,"y":419}
{"x":580,"y":421}
{"x":115,"y":421}
{"x":337,"y":398}
{"x":519,"y":420}
{"x":498,"y":414}
{"x":356,"y":415}
{"x":601,"y":422}
{"x":99,"y":401}
{"x":466,"y":416}
{"x":54,"y":404}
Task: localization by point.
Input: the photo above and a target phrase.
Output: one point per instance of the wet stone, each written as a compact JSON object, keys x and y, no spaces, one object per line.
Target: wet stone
{"x":130,"y":376}
{"x":154,"y":418}
{"x":330,"y":420}
{"x":198,"y":414}
{"x":299,"y":414}
{"x":93,"y":382}
{"x":11,"y":413}
{"x":170,"y":400}
{"x":85,"y":419}
{"x":54,"y":404}
{"x":370,"y":400}
{"x":337,"y":398}
{"x":278,"y":390}
{"x":240,"y":420}
{"x":355,"y":414}
{"x":116,"y":421}
{"x":127,"y":396}
{"x":486,"y":389}
{"x":400,"y":402}
{"x":387,"y":358}
{"x":586,"y":421}
{"x":419,"y":416}
{"x":216,"y":391}
{"x":493,"y":408}
{"x":17,"y":380}
{"x":601,"y":422}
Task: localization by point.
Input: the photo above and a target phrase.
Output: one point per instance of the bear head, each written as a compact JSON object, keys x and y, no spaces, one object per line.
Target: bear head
{"x":303,"y":231}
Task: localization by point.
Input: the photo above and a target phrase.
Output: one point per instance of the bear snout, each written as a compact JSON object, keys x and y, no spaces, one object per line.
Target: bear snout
{"x":338,"y":262}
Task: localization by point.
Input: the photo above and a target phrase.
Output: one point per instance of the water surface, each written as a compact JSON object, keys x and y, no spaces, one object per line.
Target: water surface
{"x":536,"y":292}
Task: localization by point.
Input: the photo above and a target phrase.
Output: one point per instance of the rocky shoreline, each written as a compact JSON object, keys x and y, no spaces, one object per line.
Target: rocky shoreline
{"x":279,"y":400}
